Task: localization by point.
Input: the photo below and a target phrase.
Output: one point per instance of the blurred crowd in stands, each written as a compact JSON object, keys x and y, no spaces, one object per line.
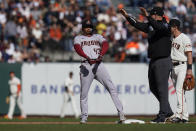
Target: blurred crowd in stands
{"x":30,"y":27}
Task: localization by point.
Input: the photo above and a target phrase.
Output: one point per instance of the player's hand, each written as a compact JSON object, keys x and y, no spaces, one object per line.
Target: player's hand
{"x":99,"y":59}
{"x":143,"y":11}
{"x":90,"y":61}
{"x":7,"y":100}
{"x":189,"y":73}
{"x":124,"y":13}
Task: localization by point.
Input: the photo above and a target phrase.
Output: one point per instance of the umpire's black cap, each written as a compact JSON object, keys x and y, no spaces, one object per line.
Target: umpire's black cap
{"x":87,"y":24}
{"x":174,"y":22}
{"x":157,"y":11}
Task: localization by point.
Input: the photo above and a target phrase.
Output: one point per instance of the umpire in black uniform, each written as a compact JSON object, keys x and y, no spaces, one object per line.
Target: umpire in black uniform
{"x":159,"y":39}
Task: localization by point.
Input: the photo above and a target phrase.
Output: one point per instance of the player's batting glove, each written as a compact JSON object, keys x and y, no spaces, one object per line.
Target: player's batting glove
{"x":90,"y":61}
{"x":99,"y":59}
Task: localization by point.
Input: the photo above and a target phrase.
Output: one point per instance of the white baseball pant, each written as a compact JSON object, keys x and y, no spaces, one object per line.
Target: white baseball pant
{"x":96,"y":71}
{"x":178,"y":75}
{"x":66,"y":97}
{"x":13,"y":99}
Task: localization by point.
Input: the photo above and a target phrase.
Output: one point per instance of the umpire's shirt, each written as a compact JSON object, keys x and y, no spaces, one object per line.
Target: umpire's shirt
{"x":159,"y":50}
{"x":159,"y":36}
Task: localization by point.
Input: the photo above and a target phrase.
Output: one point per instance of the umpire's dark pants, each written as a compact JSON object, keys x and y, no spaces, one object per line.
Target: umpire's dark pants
{"x":158,"y":75}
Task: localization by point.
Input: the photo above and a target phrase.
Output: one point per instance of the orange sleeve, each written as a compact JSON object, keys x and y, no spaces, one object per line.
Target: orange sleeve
{"x":58,"y":34}
{"x":52,"y":33}
{"x":18,"y":88}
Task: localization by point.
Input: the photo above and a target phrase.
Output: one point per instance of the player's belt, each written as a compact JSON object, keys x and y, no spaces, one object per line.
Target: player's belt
{"x":86,"y":61}
{"x":178,"y":63}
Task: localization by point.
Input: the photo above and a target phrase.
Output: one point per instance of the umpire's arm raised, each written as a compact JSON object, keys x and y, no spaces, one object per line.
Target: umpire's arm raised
{"x":157,"y":25}
{"x":139,"y":25}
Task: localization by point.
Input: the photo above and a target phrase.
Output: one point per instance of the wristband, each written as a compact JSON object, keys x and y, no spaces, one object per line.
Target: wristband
{"x":189,"y":67}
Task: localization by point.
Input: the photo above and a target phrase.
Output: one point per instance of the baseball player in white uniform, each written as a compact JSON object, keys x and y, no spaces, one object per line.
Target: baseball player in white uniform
{"x":91,"y":47}
{"x":68,"y":96}
{"x":181,"y":55}
{"x":15,"y":96}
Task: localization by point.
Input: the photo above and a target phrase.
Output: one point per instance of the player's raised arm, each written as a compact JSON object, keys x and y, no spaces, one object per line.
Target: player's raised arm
{"x":139,"y":25}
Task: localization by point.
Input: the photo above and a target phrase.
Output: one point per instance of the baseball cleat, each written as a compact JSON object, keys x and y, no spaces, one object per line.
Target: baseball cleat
{"x":169,"y":117}
{"x":7,"y":117}
{"x":22,"y":117}
{"x":83,"y":121}
{"x":185,"y":121}
{"x":122,"y":117}
{"x":122,"y":120}
{"x":178,"y":120}
{"x":158,"y":119}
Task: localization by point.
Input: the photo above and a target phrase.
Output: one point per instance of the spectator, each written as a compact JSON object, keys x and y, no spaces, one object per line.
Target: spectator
{"x":11,"y":60}
{"x":17,"y":55}
{"x":25,"y":11}
{"x":55,"y":23}
{"x":37,"y":33}
{"x":181,"y":9}
{"x":132,"y":47}
{"x":55,"y":32}
{"x":143,"y":57}
{"x":23,"y":34}
{"x":10,"y":30}
{"x":101,"y":27}
{"x":10,"y":48}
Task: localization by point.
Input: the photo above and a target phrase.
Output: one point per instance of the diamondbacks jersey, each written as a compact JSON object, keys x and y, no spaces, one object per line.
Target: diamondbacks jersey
{"x":91,"y":46}
{"x":180,"y":45}
{"x":13,"y":85}
{"x":69,"y":83}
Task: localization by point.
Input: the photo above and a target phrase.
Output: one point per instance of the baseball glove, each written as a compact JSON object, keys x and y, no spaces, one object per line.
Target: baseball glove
{"x":7,"y":100}
{"x":189,"y":83}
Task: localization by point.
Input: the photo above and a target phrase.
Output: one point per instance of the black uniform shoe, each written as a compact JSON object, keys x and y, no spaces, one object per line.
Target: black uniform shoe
{"x":120,"y":122}
{"x":159,"y":119}
{"x":184,"y":121}
{"x":176,"y":120}
{"x":170,"y":116}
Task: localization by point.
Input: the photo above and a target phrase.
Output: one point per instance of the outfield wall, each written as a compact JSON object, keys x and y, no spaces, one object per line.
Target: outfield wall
{"x":43,"y":87}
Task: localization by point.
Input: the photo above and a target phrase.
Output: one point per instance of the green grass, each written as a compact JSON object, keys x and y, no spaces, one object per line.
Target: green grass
{"x":135,"y":127}
{"x":95,"y":127}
